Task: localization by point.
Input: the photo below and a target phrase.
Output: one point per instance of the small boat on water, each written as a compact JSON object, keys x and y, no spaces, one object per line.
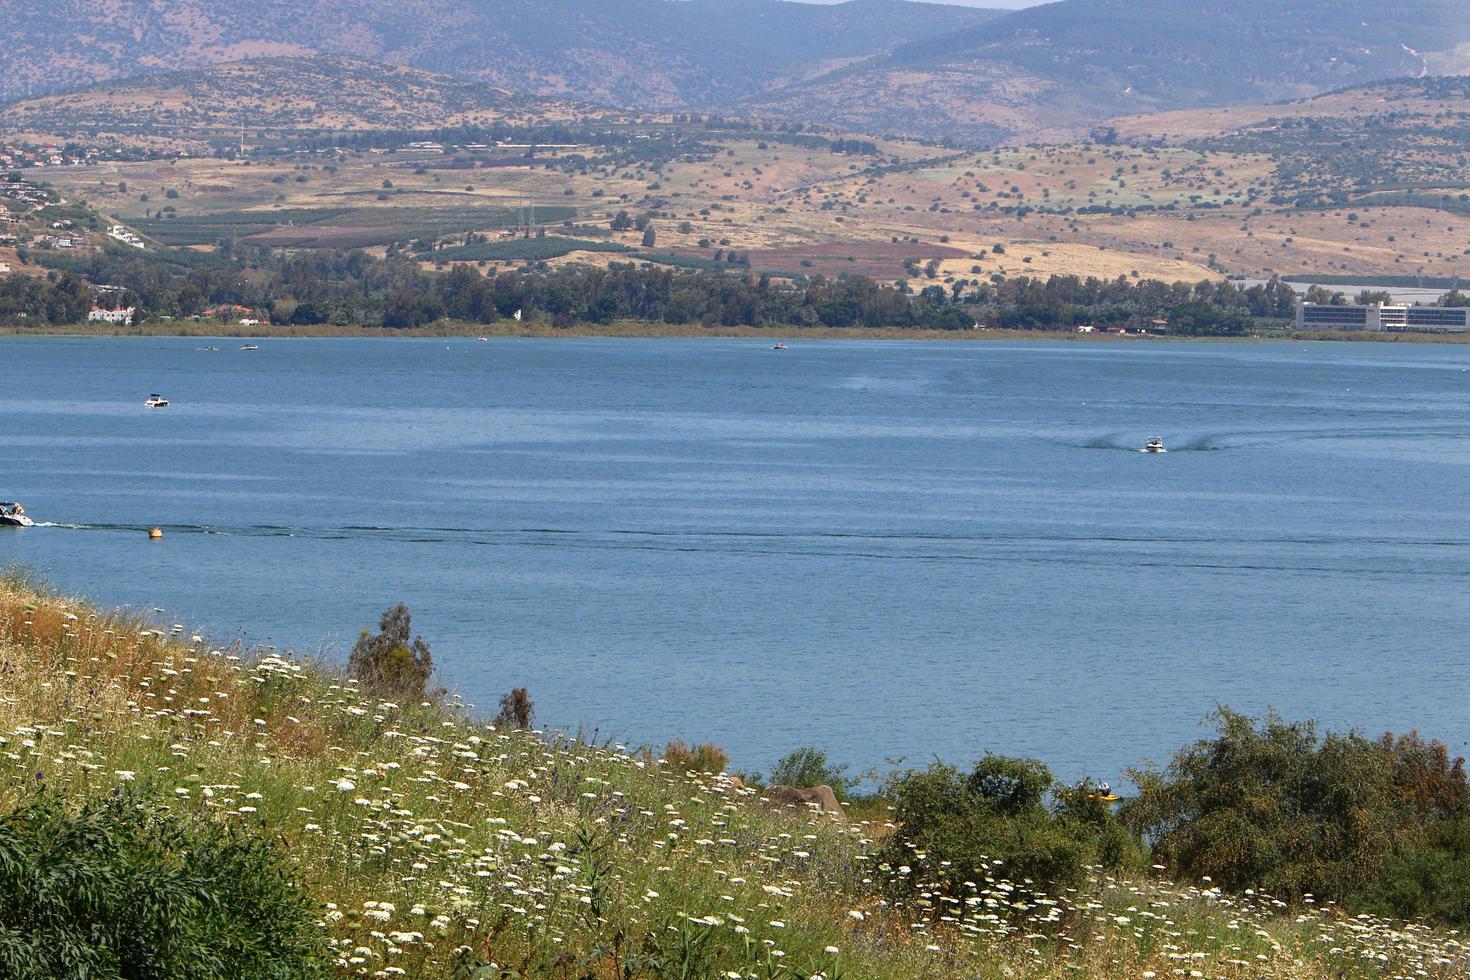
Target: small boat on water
{"x":156,"y":400}
{"x":482,"y":338}
{"x":779,"y":347}
{"x":1155,"y":445}
{"x":251,"y":347}
{"x":13,"y":514}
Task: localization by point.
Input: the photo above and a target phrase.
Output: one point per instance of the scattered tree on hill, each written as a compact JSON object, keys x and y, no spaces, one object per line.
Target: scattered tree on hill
{"x":516,"y":709}
{"x":390,"y":663}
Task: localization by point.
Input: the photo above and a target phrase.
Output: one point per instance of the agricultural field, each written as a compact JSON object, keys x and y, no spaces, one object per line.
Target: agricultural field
{"x":796,"y":206}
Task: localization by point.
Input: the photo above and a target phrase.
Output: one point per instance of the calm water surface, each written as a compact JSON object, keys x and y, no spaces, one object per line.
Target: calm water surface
{"x":888,"y":549}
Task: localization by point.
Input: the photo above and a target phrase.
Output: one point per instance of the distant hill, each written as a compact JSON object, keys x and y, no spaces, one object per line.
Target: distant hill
{"x":1400,"y":141}
{"x":1434,"y":104}
{"x":278,"y":94}
{"x":874,"y":66}
{"x":643,"y":53}
{"x":1062,"y":64}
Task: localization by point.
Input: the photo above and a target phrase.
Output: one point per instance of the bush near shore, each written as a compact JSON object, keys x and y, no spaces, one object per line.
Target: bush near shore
{"x":423,"y":842}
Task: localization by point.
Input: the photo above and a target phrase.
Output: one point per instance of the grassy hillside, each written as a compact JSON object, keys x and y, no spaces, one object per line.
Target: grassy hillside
{"x":426,"y":839}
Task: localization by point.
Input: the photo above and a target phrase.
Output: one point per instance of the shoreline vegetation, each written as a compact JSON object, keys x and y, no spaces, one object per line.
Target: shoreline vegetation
{"x":322,"y":291}
{"x":384,"y":829}
{"x":646,"y":330}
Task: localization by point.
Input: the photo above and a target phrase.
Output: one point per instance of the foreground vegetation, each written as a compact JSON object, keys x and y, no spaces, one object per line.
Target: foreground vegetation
{"x":408,"y":838}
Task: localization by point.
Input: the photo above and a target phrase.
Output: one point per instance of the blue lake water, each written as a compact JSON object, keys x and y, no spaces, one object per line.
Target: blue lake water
{"x":887,"y":549}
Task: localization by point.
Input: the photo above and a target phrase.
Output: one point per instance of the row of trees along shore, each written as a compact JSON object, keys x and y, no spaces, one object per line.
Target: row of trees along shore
{"x":356,"y":288}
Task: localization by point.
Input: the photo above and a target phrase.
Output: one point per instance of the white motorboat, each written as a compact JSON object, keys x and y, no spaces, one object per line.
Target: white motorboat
{"x":14,"y":515}
{"x":250,"y":347}
{"x":156,"y":401}
{"x":1155,"y":445}
{"x":779,"y":347}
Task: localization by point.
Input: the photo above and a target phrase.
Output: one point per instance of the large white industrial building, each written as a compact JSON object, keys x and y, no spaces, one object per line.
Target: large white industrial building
{"x":1378,"y":317}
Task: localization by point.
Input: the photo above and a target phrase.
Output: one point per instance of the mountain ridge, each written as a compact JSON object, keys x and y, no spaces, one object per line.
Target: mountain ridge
{"x":640,"y":53}
{"x":1068,"y":62}
{"x":884,"y":67}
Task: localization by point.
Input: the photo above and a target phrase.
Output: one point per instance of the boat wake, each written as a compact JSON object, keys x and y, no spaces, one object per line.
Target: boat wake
{"x":1123,"y":443}
{"x":1148,"y":548}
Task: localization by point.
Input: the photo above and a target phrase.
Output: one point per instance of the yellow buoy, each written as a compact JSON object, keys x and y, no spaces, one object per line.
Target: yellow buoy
{"x":155,"y":534}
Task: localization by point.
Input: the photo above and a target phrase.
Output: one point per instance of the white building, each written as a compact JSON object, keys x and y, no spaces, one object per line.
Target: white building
{"x":125,"y":236}
{"x":122,"y":314}
{"x":4,"y":268}
{"x":1379,"y":318}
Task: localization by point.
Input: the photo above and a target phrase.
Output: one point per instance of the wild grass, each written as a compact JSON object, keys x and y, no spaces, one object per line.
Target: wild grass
{"x":431,"y":841}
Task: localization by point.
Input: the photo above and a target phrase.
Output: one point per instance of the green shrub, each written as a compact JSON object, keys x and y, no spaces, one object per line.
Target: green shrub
{"x":124,"y":889}
{"x":1430,"y":883}
{"x":808,"y":766}
{"x":1010,"y":787}
{"x":954,"y":827}
{"x":1082,"y":807}
{"x":1276,"y":807}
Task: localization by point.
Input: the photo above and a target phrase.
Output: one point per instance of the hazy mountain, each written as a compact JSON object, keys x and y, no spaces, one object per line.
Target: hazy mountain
{"x":645,"y":53}
{"x":1070,"y":62}
{"x":878,"y":66}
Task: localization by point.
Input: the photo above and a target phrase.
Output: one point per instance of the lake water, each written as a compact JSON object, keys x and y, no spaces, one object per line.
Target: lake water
{"x":887,"y":549}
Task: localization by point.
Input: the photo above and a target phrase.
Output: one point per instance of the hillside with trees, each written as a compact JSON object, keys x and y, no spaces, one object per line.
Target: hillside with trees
{"x":1399,"y":141}
{"x":300,"y":94}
